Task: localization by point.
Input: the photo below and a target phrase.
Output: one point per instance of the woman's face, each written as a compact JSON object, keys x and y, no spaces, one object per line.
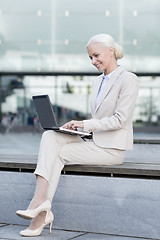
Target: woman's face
{"x":101,"y":56}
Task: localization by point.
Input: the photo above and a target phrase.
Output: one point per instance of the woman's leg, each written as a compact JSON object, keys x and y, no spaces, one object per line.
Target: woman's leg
{"x":59,"y":149}
{"x":39,"y":197}
{"x":84,"y":153}
{"x":40,"y":194}
{"x":89,"y":153}
{"x":48,"y":162}
{"x":48,"y":169}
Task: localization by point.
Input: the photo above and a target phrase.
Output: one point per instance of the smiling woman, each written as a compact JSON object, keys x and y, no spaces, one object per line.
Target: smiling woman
{"x":113,"y":98}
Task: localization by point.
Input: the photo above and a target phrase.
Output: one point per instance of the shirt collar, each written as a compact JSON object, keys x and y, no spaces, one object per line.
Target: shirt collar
{"x":109,"y":75}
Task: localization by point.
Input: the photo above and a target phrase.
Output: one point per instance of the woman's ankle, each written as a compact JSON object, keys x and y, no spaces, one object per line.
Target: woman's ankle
{"x":35,"y":202}
{"x":38,"y":221}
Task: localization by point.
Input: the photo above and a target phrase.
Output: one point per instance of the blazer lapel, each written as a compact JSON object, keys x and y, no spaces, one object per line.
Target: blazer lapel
{"x":95,"y":92}
{"x":109,"y":85}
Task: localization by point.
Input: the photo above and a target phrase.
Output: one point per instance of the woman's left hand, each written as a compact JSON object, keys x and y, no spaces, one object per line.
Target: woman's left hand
{"x":73,"y":125}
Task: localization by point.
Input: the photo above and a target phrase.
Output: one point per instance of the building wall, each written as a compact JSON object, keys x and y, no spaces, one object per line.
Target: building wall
{"x":52,"y":34}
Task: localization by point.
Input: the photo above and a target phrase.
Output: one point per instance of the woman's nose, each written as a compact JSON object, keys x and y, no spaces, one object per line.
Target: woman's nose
{"x":93,"y":61}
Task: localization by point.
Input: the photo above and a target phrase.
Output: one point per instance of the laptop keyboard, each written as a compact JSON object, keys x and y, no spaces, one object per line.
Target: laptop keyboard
{"x":74,"y":131}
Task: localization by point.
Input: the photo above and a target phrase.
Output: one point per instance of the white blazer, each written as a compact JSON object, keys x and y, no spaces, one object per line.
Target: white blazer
{"x":111,"y":121}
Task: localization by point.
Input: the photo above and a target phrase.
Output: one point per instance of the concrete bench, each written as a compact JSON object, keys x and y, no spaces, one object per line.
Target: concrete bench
{"x":121,"y":199}
{"x":27,"y":163}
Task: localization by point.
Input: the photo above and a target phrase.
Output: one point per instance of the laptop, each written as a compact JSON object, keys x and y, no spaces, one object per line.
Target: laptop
{"x":47,"y":117}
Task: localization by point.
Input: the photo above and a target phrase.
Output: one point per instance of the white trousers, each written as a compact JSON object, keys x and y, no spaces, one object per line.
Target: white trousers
{"x":58,"y":149}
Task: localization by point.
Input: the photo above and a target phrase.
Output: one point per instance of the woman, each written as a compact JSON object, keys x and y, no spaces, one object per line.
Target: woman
{"x":112,"y":102}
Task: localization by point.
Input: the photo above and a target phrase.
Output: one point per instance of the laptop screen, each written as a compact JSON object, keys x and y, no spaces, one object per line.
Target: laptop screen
{"x":45,"y":112}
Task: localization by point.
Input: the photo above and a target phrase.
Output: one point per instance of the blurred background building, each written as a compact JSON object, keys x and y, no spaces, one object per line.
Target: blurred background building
{"x":43,"y":51}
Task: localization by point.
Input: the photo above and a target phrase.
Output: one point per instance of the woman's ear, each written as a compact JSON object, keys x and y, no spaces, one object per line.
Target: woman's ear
{"x":111,"y":51}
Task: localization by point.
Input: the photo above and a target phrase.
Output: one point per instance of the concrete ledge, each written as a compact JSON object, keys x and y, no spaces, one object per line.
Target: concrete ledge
{"x":106,"y":204}
{"x":119,"y":206}
{"x":128,"y":168}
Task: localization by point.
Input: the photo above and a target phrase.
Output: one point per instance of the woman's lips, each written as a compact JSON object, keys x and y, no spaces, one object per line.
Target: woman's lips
{"x":97,"y":65}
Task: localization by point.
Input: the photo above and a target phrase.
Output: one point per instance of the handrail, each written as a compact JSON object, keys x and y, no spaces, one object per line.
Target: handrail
{"x":45,"y":73}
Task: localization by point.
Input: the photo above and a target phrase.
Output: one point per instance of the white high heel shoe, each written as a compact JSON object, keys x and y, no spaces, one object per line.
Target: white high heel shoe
{"x":33,"y":233}
{"x":30,"y":214}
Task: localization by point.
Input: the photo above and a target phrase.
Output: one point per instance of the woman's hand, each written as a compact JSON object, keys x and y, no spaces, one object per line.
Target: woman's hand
{"x":73,"y":125}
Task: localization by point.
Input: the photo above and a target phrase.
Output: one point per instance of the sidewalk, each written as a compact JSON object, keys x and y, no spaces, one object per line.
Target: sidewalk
{"x":28,"y":144}
{"x":11,"y":232}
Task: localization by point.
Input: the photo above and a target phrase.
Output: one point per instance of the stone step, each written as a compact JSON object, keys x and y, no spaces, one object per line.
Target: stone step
{"x":131,"y":167}
{"x":118,"y":206}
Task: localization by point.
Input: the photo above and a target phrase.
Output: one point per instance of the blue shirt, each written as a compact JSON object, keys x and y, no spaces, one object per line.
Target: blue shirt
{"x":105,"y":79}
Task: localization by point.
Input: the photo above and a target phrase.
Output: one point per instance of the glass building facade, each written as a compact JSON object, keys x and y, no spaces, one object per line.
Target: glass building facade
{"x":44,"y":36}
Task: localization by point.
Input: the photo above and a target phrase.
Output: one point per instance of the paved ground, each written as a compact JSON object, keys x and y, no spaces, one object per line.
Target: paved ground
{"x":11,"y":232}
{"x":28,"y":143}
{"x":19,"y":143}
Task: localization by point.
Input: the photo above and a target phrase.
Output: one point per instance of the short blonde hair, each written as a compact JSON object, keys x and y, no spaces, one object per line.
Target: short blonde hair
{"x":107,"y":41}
